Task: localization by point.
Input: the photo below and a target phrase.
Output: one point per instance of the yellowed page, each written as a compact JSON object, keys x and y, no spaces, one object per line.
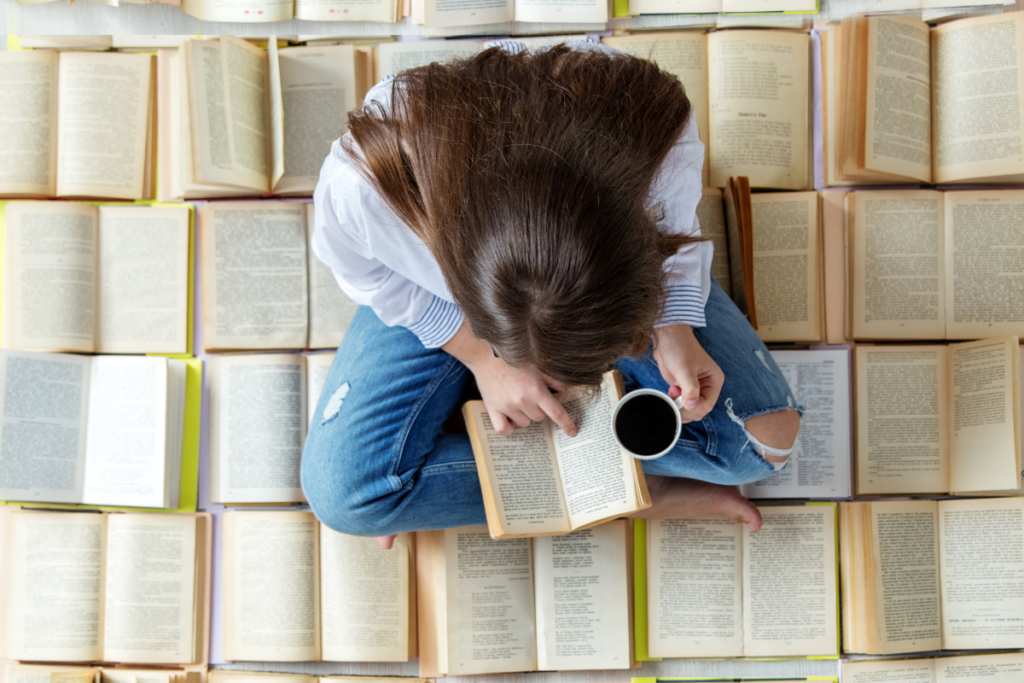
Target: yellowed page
{"x":898,"y":130}
{"x":982,"y":543}
{"x":55,"y":596}
{"x":694,"y":588}
{"x":759,"y":104}
{"x":578,"y":11}
{"x":28,"y":148}
{"x":598,"y":475}
{"x":685,"y":55}
{"x":104,"y":105}
{"x":346,"y":10}
{"x":481,"y":571}
{"x":446,"y":13}
{"x":271,"y":586}
{"x":142,"y":298}
{"x":364,"y":598}
{"x":49,"y":276}
{"x":1002,"y":668}
{"x":257,"y":427}
{"x":711,"y":215}
{"x":523,"y":476}
{"x":35,"y":673}
{"x":330,"y":309}
{"x":902,"y":420}
{"x":890,"y":671}
{"x":239,"y":10}
{"x":790,"y":591}
{"x":896,"y":265}
{"x":982,"y":238}
{"x":318,"y":89}
{"x":906,"y":572}
{"x":149,"y":614}
{"x":245,"y":70}
{"x":977,"y":101}
{"x":112,"y":675}
{"x":583,"y":598}
{"x":787,"y":266}
{"x":254,"y":275}
{"x":318,"y":367}
{"x":396,"y":57}
{"x":983,"y":442}
{"x":230,"y":676}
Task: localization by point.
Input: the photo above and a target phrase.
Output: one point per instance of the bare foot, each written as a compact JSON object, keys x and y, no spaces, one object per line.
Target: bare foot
{"x":677,"y":498}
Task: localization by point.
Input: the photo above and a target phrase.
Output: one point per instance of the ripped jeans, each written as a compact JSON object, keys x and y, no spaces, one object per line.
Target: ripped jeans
{"x":375,"y":462}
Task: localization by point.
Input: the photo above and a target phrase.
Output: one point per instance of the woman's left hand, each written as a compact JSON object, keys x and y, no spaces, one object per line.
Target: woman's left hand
{"x":684,"y":363}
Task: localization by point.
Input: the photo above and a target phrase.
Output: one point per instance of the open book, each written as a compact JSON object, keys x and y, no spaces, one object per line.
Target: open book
{"x":820,"y":465}
{"x":258,"y":421}
{"x":934,"y":265}
{"x":938,"y":419}
{"x":284,"y":10}
{"x":295,"y":591}
{"x":450,"y":13}
{"x":105,"y":430}
{"x":96,"y":279}
{"x":540,"y":481}
{"x":238,"y":676}
{"x":82,"y":587}
{"x":751,"y":96}
{"x":906,"y":103}
{"x":998,"y":668}
{"x":930,"y":575}
{"x":553,"y":603}
{"x":768,"y":258}
{"x":41,"y":673}
{"x":77,"y":124}
{"x":263,"y":288}
{"x":714,"y":589}
{"x":237,"y":120}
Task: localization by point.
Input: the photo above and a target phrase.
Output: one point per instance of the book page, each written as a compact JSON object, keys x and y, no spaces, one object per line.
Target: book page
{"x":563,"y":11}
{"x":896,"y":265}
{"x":890,"y":671}
{"x":446,"y":13}
{"x":787,"y":266}
{"x":28,"y":150}
{"x":759,"y":105}
{"x":694,"y":589}
{"x":142,"y":298}
{"x":984,"y":439}
{"x":982,"y":543}
{"x":345,"y":10}
{"x":126,"y":442}
{"x":239,"y":10}
{"x":790,"y":599}
{"x":711,"y":215}
{"x":582,"y":598}
{"x":396,"y":57}
{"x":820,"y":465}
{"x":254,"y":275}
{"x":906,"y":575}
{"x":244,"y":68}
{"x":44,"y":403}
{"x":979,"y":85}
{"x":522,"y":474}
{"x":598,"y":476}
{"x":258,"y":424}
{"x":318,"y":367}
{"x":49,"y":276}
{"x":271,"y":586}
{"x":56,"y":587}
{"x":150,"y":589}
{"x":898,"y":125}
{"x":318,"y":89}
{"x":34,"y":673}
{"x":1003,"y":668}
{"x":364,"y":597}
{"x":489,"y":590}
{"x":982,"y":237}
{"x":902,"y":418}
{"x":104,"y":115}
{"x":684,"y":55}
{"x":330,"y":309}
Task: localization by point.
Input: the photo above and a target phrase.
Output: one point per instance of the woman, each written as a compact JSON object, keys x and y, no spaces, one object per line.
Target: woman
{"x":526,"y":220}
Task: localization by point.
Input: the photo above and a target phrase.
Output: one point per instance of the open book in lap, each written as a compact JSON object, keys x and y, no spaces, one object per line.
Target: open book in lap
{"x":77,"y":124}
{"x":538,"y":481}
{"x":101,"y":431}
{"x":96,"y":279}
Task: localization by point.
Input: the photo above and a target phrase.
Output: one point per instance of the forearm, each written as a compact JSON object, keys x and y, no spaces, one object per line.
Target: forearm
{"x":467,"y":348}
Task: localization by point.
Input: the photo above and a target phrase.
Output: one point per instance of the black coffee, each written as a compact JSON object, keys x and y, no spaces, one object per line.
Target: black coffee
{"x":646,"y":424}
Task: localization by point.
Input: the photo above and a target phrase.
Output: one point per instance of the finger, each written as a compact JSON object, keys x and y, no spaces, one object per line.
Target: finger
{"x":520,"y":418}
{"x":534,"y":412}
{"x":710,"y":389}
{"x":502,"y":424}
{"x":674,"y":392}
{"x":689,"y":389}
{"x":386,"y":541}
{"x":556,"y":411}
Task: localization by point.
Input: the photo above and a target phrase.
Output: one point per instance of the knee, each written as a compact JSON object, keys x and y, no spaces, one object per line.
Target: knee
{"x":775,"y":434}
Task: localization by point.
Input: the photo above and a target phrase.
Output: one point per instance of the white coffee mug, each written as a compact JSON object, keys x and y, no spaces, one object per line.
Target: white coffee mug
{"x":677,"y":405}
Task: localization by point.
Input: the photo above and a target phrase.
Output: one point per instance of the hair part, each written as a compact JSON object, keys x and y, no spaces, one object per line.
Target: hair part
{"x":527,"y":176}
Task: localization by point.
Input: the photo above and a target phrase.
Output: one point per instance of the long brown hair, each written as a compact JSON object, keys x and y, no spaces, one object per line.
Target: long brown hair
{"x":527,"y":176}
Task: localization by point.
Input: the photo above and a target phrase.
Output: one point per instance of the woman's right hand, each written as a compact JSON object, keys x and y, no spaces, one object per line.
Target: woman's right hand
{"x":514,"y":397}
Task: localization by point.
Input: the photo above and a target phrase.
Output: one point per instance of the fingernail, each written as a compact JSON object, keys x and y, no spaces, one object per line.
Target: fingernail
{"x":571,"y":432}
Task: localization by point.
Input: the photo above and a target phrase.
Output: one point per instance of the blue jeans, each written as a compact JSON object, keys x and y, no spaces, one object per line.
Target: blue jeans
{"x":375,"y":462}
